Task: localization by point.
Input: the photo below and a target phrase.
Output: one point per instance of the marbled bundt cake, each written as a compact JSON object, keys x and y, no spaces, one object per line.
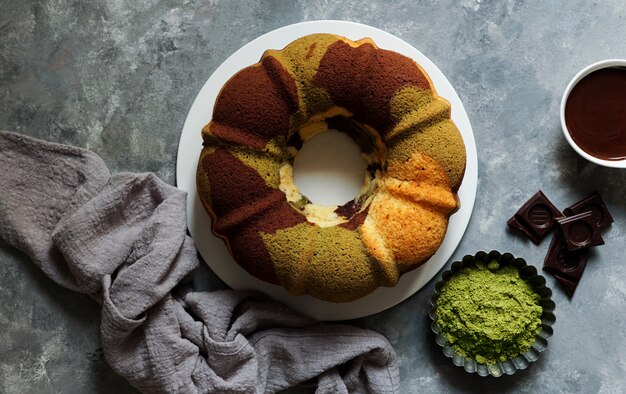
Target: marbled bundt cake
{"x":383,"y":100}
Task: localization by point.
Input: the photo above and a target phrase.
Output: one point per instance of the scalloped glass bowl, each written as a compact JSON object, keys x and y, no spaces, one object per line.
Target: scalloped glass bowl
{"x":521,"y":361}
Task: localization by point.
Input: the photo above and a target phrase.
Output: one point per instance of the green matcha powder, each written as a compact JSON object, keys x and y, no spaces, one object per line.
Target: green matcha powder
{"x":488,"y":313}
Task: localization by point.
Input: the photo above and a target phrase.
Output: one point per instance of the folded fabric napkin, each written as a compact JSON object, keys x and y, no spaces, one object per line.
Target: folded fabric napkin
{"x":122,"y":240}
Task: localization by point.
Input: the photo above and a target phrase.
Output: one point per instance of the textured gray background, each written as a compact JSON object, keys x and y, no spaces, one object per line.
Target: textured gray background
{"x":119,"y":78}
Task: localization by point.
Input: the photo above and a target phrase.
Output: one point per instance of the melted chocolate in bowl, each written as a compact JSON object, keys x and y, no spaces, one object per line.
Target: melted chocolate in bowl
{"x":595,"y":113}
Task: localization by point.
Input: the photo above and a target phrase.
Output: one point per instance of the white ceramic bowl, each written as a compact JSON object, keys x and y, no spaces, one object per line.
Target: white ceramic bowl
{"x":583,"y":73}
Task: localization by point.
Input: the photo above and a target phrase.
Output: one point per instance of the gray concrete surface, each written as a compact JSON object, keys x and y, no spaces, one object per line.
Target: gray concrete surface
{"x":118,"y":77}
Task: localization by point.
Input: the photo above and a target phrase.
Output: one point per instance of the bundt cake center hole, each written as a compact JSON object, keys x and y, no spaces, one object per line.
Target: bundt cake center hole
{"x":329,"y":168}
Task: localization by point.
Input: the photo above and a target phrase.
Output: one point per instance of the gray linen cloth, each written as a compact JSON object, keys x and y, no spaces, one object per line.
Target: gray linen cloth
{"x":122,"y":240}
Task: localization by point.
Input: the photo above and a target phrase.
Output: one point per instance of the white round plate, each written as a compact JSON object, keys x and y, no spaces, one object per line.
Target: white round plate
{"x":213,"y":249}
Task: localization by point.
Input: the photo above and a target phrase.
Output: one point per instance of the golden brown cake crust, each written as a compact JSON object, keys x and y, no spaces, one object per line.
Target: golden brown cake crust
{"x":262,"y":115}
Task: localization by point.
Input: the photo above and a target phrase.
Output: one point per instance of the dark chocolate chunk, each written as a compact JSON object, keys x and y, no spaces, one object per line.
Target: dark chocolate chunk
{"x":372,"y":168}
{"x":514,"y":223}
{"x":354,"y":131}
{"x":566,"y":267}
{"x":579,"y":231}
{"x":296,"y":141}
{"x":561,"y":261}
{"x":348,"y":209}
{"x":536,"y":217}
{"x":568,"y":285}
{"x":594,"y":204}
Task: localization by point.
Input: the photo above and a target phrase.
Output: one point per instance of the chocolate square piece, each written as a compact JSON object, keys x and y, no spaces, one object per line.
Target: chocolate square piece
{"x":567,"y":267}
{"x":579,"y":231}
{"x":536,"y":217}
{"x":594,"y":204}
{"x":514,"y":223}
{"x":569,"y":285}
{"x":561,"y":261}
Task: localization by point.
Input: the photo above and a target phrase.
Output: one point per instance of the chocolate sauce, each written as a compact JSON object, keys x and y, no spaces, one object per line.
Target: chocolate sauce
{"x":595,"y":113}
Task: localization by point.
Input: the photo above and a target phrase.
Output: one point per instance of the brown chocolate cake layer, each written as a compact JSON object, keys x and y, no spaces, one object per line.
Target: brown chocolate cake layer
{"x":363,"y":80}
{"x":244,"y":205}
{"x":257,"y":105}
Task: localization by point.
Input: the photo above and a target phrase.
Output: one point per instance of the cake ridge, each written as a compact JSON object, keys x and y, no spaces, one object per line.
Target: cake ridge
{"x":415,"y":121}
{"x":230,"y":220}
